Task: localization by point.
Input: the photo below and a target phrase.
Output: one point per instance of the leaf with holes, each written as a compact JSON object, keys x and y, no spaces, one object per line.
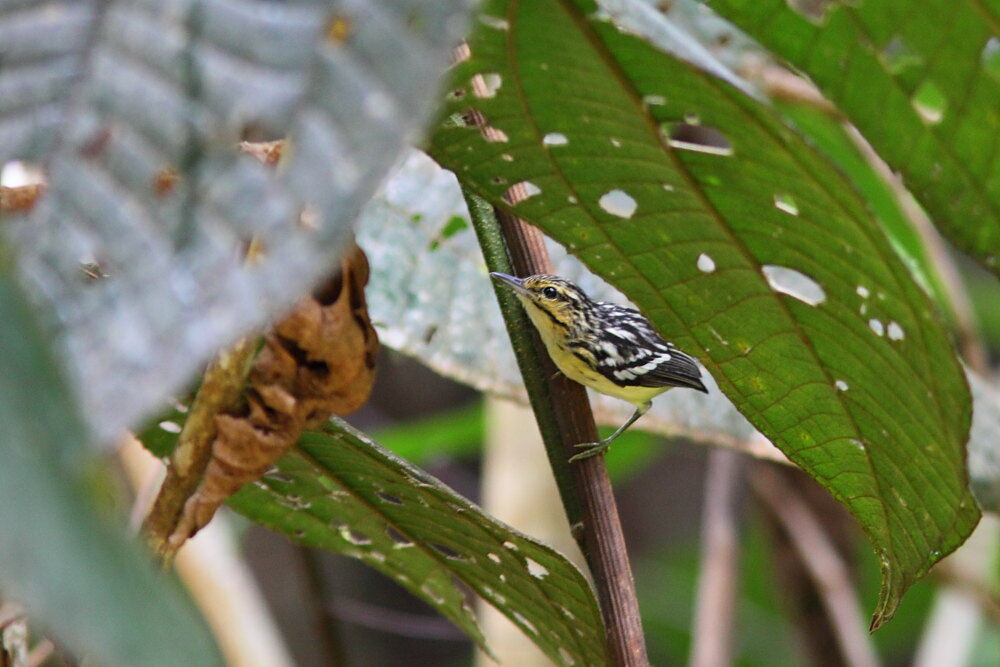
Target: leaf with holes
{"x":742,"y":244}
{"x":918,"y":79}
{"x":136,"y":109}
{"x":342,"y":492}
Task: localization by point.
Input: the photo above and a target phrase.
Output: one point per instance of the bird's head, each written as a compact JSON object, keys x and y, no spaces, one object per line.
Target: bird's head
{"x":563,"y":302}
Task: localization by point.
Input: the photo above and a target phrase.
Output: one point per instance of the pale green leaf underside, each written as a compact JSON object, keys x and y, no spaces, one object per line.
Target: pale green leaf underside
{"x":919,"y":79}
{"x":75,"y":572}
{"x":862,"y":390}
{"x":108,"y":95}
{"x":339,"y":491}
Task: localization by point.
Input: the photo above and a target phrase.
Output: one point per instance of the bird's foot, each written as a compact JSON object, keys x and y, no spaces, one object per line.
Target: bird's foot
{"x":590,"y":449}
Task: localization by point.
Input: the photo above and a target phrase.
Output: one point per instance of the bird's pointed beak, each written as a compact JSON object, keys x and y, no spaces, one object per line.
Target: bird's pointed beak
{"x":512,"y":282}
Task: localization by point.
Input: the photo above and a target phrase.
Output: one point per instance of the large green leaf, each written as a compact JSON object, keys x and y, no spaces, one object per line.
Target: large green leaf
{"x":853,"y":377}
{"x":914,"y":77}
{"x":73,"y":570}
{"x":340,"y":491}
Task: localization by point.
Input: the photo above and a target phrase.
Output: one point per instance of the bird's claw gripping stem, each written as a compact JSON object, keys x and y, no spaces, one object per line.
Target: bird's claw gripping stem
{"x":590,"y":449}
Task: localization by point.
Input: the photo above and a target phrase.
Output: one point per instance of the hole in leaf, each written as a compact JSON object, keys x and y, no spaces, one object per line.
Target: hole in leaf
{"x":618,"y":203}
{"x":518,"y":192}
{"x":510,"y":545}
{"x":814,"y":11}
{"x":446,"y":551}
{"x":493,"y":557}
{"x":930,"y":102}
{"x":895,"y":331}
{"x":841,"y":385}
{"x":494,"y":22}
{"x":795,"y":284}
{"x":862,"y":291}
{"x":705,"y":263}
{"x":460,"y":53}
{"x":876,"y":326}
{"x":785,"y":202}
{"x":616,"y":142}
{"x":990,"y":57}
{"x":899,"y":57}
{"x":654,"y":100}
{"x":536,"y":569}
{"x":526,"y":623}
{"x":486,"y":85}
{"x":555,"y":139}
{"x":353,"y":536}
{"x":389,"y":498}
{"x":699,"y":139}
{"x":566,"y":657}
{"x":169,"y":427}
{"x":397,"y":537}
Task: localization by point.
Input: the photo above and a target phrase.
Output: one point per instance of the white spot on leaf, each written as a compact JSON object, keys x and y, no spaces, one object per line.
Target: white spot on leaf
{"x":618,"y":203}
{"x":616,"y":142}
{"x":170,"y":427}
{"x":494,"y":22}
{"x":862,"y":291}
{"x":895,"y":332}
{"x":841,"y":385}
{"x":654,"y":100}
{"x":876,"y":326}
{"x":705,"y":263}
{"x":555,"y":139}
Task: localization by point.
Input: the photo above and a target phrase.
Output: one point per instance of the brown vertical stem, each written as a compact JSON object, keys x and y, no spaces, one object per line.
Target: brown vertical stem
{"x":584,"y":486}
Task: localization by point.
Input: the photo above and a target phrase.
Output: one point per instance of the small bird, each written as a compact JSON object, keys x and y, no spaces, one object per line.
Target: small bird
{"x":609,"y":348}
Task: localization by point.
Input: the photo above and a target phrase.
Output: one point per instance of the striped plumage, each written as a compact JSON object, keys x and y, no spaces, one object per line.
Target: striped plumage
{"x":609,"y":348}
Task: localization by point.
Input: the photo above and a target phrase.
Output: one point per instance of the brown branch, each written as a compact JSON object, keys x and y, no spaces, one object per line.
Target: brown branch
{"x":584,"y":486}
{"x":717,"y":580}
{"x":821,"y":559}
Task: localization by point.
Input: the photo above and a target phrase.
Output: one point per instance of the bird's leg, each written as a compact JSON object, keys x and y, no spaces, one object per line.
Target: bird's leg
{"x":595,"y":448}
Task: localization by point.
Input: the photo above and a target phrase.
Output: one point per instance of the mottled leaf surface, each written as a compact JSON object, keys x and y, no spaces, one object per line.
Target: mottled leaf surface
{"x":854,"y":378}
{"x":340,"y":491}
{"x":72,"y":569}
{"x":917,"y":79}
{"x":135,"y":109}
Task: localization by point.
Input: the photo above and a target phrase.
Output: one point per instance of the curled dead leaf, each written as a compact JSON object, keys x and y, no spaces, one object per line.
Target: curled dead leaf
{"x":317,"y":361}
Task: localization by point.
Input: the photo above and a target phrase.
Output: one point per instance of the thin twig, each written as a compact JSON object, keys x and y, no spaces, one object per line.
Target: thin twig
{"x":825,"y":566}
{"x":719,"y":574}
{"x":564,"y":417}
{"x":220,"y":389}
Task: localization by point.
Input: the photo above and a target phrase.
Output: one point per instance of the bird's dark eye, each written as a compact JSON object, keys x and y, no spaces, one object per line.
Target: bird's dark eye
{"x":550,"y":293}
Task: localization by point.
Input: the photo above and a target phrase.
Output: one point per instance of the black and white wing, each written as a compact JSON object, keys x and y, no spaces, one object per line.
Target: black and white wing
{"x":632,"y":354}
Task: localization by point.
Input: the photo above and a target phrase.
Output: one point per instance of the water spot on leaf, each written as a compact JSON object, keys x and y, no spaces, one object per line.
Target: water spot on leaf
{"x":841,"y":385}
{"x":795,"y":284}
{"x":699,"y":139}
{"x":654,"y":100}
{"x":555,"y":139}
{"x":536,"y":569}
{"x":486,"y":84}
{"x":895,"y":331}
{"x":618,"y":203}
{"x":494,"y":22}
{"x":169,"y":427}
{"x":876,"y":326}
{"x":705,"y":263}
{"x":785,"y":202}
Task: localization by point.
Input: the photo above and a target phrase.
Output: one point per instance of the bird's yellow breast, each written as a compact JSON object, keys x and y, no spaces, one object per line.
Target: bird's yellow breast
{"x":578,"y":369}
